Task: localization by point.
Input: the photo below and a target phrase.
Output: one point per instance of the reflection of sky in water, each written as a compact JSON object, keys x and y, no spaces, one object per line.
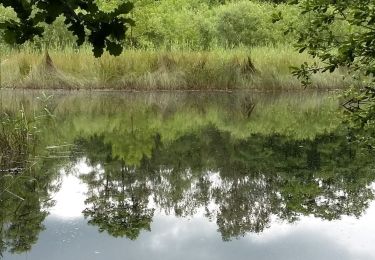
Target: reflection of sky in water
{"x":71,"y":196}
{"x":67,"y":236}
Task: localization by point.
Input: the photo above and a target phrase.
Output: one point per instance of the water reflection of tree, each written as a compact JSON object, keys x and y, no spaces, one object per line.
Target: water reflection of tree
{"x":24,"y":203}
{"x":117,"y":200}
{"x":256,"y":179}
{"x":25,"y":181}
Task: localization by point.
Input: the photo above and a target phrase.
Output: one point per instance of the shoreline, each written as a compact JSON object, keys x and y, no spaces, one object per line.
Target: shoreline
{"x":115,"y":90}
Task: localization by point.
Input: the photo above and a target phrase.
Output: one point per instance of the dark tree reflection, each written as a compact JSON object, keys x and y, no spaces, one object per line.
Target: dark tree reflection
{"x":117,"y":200}
{"x":241,"y":184}
{"x":24,"y":202}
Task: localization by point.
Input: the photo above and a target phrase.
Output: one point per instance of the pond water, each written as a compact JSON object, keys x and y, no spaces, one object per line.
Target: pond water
{"x":182,"y":176}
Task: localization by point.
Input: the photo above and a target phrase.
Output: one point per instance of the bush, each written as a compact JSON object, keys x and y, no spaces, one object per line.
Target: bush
{"x":201,"y":25}
{"x":242,"y":23}
{"x":193,"y":24}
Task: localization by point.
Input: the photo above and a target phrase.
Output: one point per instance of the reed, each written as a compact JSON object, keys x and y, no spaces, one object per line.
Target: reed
{"x":15,"y":139}
{"x":262,"y":68}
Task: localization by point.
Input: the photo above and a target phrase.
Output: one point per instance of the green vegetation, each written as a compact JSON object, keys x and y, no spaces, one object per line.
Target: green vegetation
{"x":353,"y":49}
{"x":284,"y":155}
{"x":186,"y":45}
{"x":84,"y":18}
{"x":265,"y":68}
{"x":25,"y":185}
{"x":15,"y":139}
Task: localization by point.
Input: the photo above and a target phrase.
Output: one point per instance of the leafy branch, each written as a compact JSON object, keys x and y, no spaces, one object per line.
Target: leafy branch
{"x":103,"y":30}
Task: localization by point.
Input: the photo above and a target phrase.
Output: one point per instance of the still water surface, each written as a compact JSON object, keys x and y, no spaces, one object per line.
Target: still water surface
{"x":186,"y":176}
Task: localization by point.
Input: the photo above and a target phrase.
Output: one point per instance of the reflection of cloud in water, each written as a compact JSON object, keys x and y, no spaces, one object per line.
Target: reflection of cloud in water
{"x":177,"y":238}
{"x":356,"y":236}
{"x":196,"y":237}
{"x":70,"y":199}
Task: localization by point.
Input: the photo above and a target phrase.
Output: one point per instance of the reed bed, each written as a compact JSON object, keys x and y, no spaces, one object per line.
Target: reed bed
{"x":261,"y":68}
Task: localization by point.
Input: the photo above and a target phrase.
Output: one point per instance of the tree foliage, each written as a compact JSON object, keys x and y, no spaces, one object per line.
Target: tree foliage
{"x":84,"y":18}
{"x":353,"y":50}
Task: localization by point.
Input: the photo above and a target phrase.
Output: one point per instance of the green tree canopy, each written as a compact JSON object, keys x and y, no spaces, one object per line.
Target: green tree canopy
{"x":84,"y":18}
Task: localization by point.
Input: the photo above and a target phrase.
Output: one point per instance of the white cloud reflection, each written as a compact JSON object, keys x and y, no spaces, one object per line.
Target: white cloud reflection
{"x":70,"y":199}
{"x":310,"y":238}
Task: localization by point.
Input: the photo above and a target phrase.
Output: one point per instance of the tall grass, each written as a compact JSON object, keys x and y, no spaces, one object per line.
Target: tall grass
{"x":20,"y":127}
{"x":15,"y":139}
{"x":262,"y":68}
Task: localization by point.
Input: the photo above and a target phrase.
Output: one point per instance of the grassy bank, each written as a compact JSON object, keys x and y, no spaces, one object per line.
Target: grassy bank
{"x":262,"y":68}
